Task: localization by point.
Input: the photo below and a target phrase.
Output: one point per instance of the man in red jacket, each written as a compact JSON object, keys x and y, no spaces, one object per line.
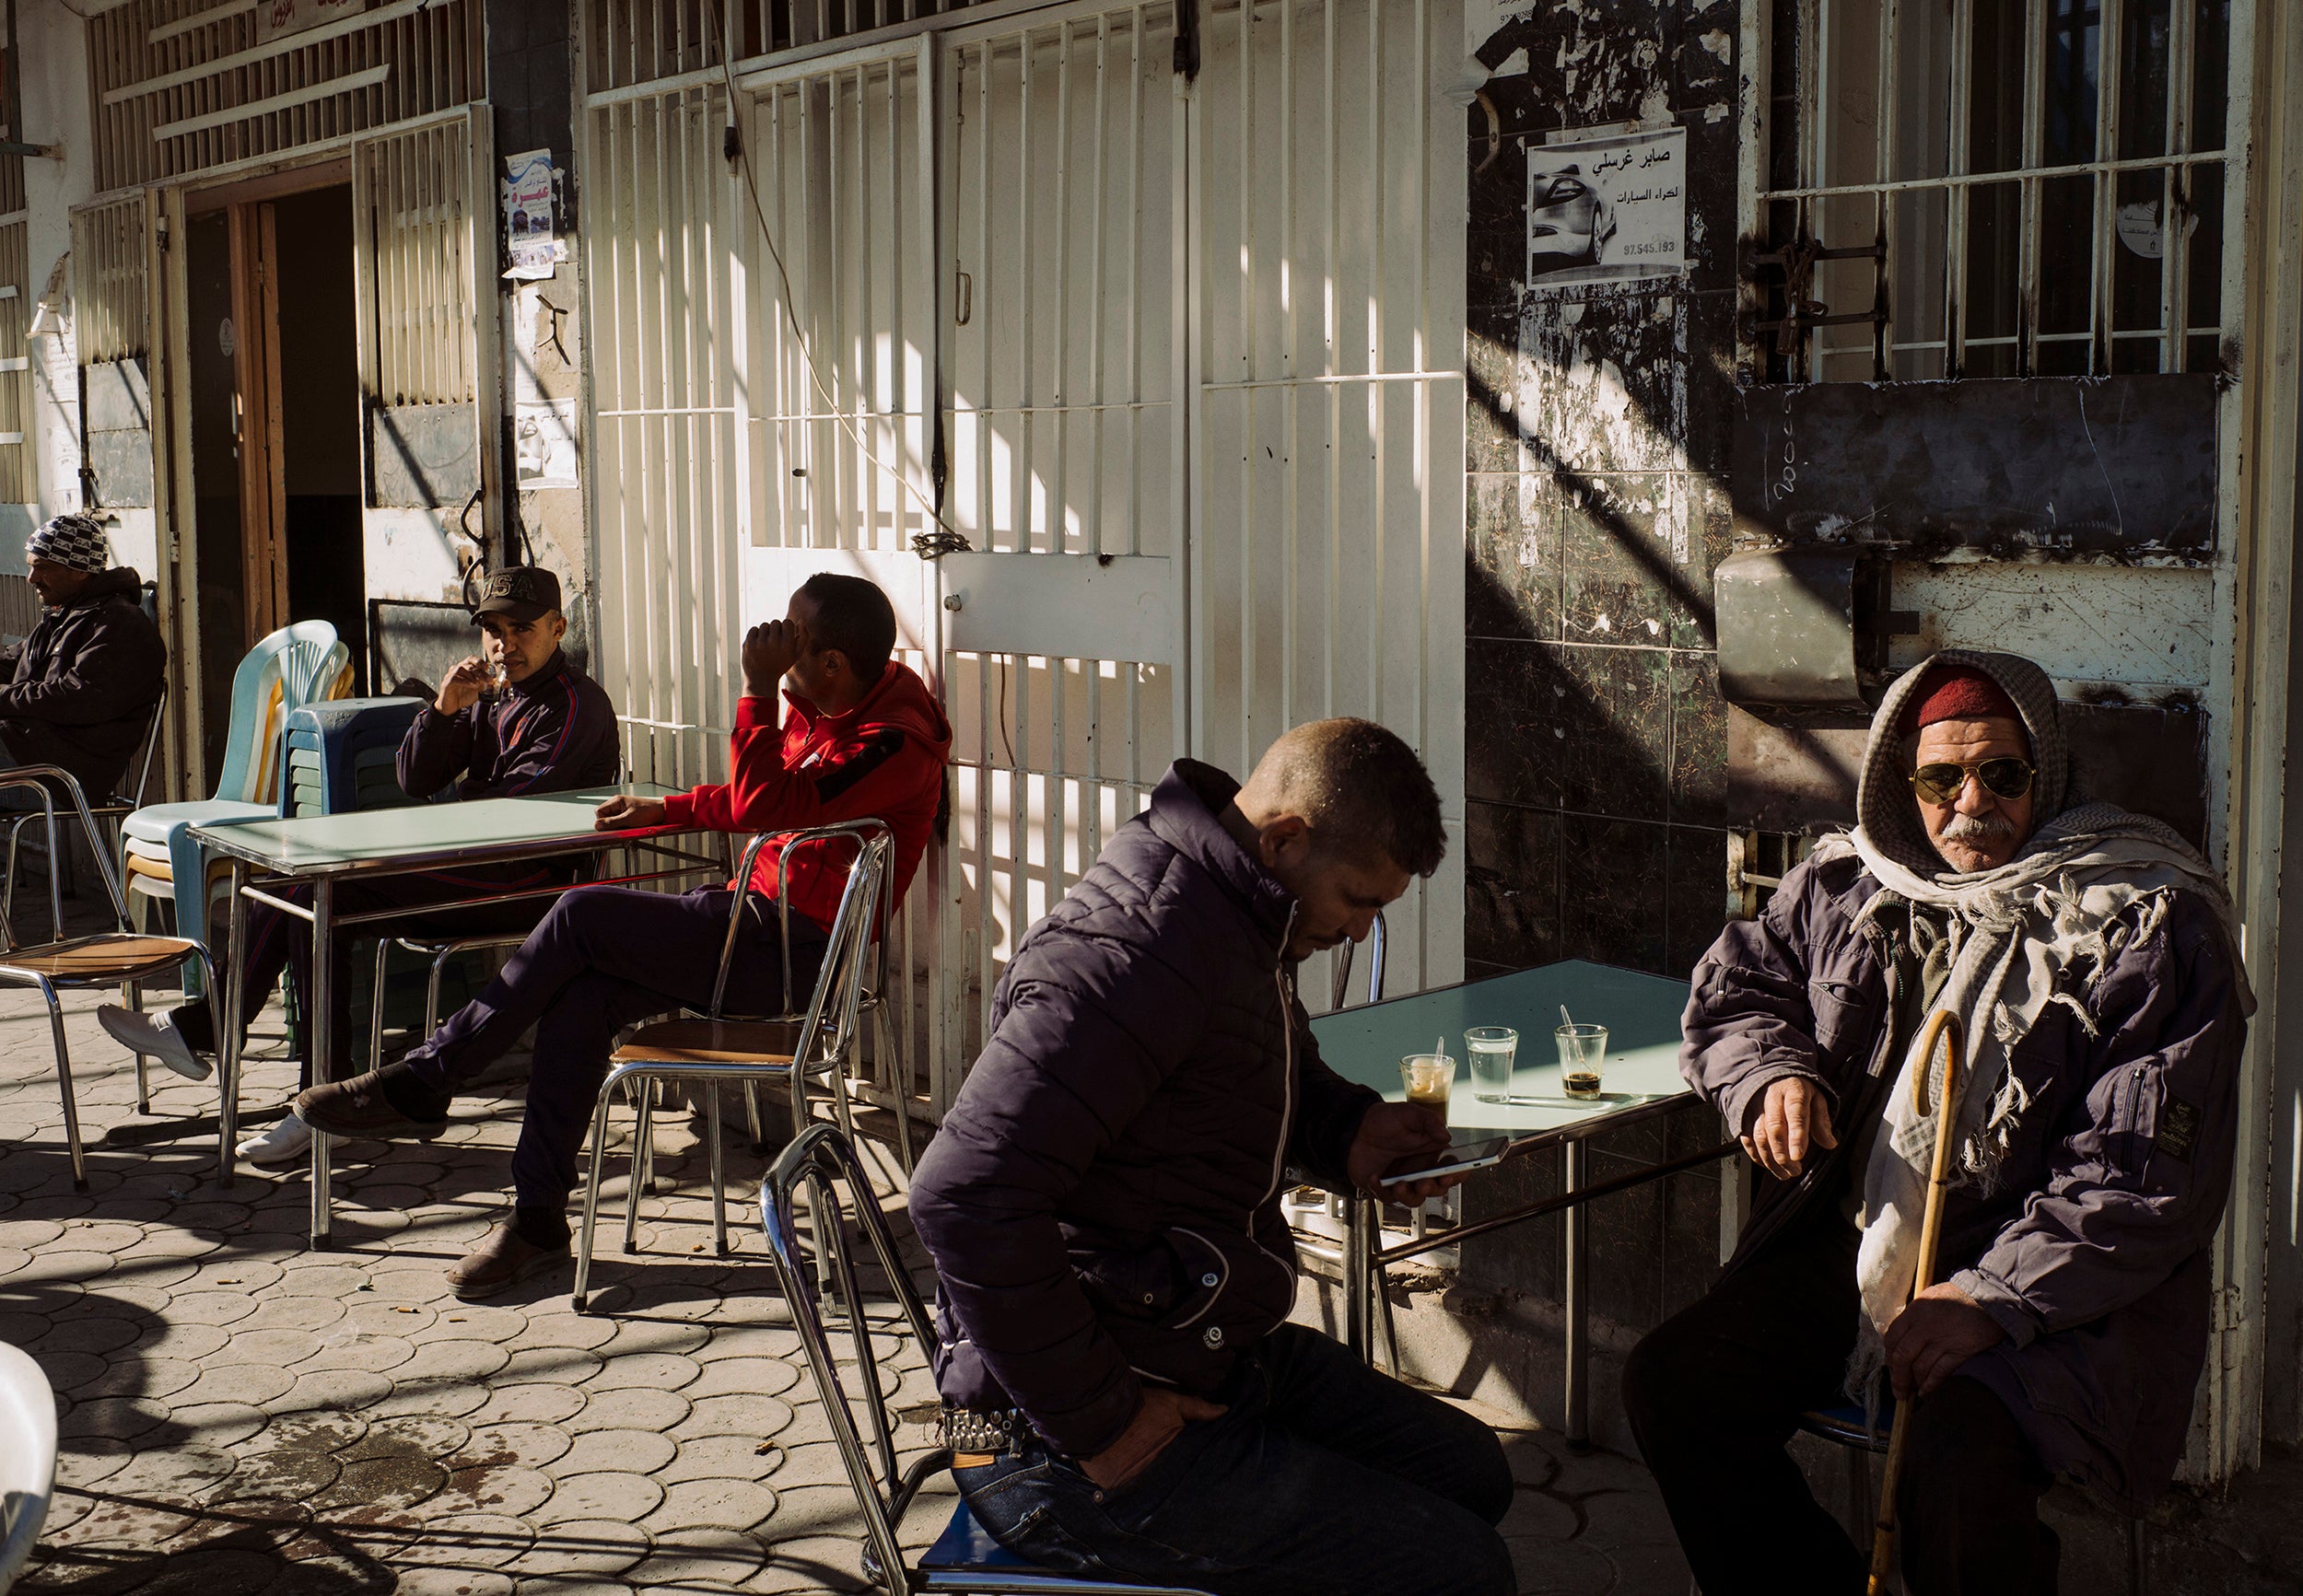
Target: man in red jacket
{"x":863,"y":738}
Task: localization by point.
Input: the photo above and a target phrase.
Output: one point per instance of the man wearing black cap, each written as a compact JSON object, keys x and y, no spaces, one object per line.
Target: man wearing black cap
{"x":80,"y":690}
{"x":515,"y":719}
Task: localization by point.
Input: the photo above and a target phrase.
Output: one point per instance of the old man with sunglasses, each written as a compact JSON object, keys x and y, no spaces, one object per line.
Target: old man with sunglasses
{"x":2092,"y":956}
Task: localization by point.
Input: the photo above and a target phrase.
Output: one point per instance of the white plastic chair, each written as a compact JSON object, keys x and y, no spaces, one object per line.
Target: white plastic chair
{"x":27,"y":1459}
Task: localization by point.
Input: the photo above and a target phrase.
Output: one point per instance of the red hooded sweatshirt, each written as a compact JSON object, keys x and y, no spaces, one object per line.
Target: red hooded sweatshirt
{"x":882,"y":759}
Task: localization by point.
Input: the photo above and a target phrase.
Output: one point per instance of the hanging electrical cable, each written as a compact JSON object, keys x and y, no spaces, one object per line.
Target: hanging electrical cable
{"x":946,"y":538}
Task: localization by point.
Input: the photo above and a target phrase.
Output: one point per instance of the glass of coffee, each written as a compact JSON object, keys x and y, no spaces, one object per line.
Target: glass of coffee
{"x":1492,"y":1048}
{"x":1427,"y":1076}
{"x":1582,"y":1048}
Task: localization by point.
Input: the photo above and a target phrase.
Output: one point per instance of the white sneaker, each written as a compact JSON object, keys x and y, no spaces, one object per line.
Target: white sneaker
{"x":154,"y":1035}
{"x":283,"y":1143}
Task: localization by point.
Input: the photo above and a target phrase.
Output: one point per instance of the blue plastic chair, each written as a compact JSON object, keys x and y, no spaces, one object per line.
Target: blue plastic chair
{"x":294,"y":666}
{"x":344,"y":755}
{"x":964,"y":1557}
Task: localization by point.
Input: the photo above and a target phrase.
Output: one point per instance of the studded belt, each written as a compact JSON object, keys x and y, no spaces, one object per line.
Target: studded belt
{"x":981,"y":1431}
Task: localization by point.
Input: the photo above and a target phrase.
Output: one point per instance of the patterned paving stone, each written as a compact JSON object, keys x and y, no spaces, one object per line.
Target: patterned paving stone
{"x":636,"y":1452}
{"x":742,"y":1377}
{"x":220,"y":1424}
{"x":247,"y":1382}
{"x":561,"y":1365}
{"x":757,"y":1416}
{"x":627,"y":1498}
{"x":532,"y":1403}
{"x":685,"y":1559}
{"x":513,"y":1444}
{"x":453,"y":1582}
{"x":723,"y":1504}
{"x":584,"y":1546}
{"x":502,"y":1488}
{"x":635,"y":1408}
{"x":446,"y":1396}
{"x":576,"y":1331}
{"x":661,"y":1370}
{"x":470,"y":1541}
{"x":821,"y":1563}
{"x":721,"y":1457}
{"x":337,"y":1389}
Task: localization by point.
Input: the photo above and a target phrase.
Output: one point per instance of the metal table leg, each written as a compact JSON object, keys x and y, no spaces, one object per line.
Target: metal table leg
{"x":224,"y":1007}
{"x":316,"y":1027}
{"x":1578,"y":1304}
{"x":1359,"y":1263}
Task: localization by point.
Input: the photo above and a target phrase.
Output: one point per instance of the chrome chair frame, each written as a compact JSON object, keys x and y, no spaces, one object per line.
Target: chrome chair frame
{"x":826,"y":1031}
{"x":20,"y":965}
{"x":821,"y":1161}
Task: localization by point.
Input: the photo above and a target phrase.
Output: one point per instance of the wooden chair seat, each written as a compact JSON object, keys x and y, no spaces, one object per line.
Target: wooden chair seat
{"x":101,"y":960}
{"x":710,"y":1041}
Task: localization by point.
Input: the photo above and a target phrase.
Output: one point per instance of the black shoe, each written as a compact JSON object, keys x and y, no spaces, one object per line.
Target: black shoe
{"x":500,"y":1263}
{"x":361,"y":1107}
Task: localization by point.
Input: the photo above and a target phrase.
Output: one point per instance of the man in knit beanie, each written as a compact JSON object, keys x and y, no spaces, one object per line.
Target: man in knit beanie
{"x":78,"y":691}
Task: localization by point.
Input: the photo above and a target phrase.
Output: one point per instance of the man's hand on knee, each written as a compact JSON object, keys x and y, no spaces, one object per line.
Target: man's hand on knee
{"x":1159,"y":1421}
{"x":1929,"y":1340}
{"x":1794,"y":1118}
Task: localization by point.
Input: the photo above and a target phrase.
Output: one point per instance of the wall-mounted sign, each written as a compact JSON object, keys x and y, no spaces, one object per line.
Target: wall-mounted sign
{"x":277,"y":18}
{"x":543,"y":443}
{"x":528,"y":215}
{"x":1607,"y":208}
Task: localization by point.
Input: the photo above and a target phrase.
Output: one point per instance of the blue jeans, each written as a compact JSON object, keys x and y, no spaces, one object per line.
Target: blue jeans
{"x":1324,"y":1476}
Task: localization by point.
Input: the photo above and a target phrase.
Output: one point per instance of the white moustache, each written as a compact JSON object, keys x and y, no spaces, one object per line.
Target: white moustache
{"x":1977,"y":828}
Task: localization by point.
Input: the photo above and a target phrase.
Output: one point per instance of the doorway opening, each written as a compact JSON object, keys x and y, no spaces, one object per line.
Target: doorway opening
{"x":275,"y":454}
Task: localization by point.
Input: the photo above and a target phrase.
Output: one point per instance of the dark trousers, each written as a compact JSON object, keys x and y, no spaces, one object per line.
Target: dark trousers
{"x":1323,"y":1476}
{"x":602,"y":959}
{"x":281,"y":943}
{"x":1714,"y":1392}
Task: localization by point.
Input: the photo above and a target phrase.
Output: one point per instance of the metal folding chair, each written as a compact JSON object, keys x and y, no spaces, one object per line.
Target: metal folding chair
{"x":785,"y":1049}
{"x":822,"y":1163}
{"x":120,"y":957}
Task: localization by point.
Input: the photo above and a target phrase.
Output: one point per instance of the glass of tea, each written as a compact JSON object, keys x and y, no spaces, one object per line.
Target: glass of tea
{"x":1427,"y":1077}
{"x":1582,"y":1049}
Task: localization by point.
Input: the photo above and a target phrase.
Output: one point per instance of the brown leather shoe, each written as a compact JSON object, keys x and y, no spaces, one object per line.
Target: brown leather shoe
{"x":358,"y":1108}
{"x":499,"y":1262}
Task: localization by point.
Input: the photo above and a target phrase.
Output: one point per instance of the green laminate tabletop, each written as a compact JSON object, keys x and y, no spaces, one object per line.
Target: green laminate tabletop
{"x":419,"y":834}
{"x":1641,"y":1074}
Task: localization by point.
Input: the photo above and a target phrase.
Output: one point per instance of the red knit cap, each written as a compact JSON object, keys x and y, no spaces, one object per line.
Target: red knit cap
{"x":1957,"y":692}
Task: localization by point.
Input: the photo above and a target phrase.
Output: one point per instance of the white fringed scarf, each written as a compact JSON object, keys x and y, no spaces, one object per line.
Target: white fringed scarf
{"x":2037,"y":932}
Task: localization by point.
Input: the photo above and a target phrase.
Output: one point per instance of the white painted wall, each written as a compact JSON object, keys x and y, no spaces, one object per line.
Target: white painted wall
{"x":53,"y":43}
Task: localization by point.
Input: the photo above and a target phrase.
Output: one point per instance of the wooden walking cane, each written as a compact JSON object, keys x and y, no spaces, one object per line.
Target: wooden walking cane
{"x":1944,"y":1024}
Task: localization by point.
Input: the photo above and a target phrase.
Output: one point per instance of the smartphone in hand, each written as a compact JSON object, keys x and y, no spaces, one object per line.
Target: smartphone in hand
{"x":1456,"y":1160}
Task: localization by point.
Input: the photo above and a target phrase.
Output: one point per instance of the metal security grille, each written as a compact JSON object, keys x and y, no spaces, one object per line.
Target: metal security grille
{"x":412,"y":191}
{"x":1179,"y":431}
{"x":630,"y":42}
{"x":1328,"y":514}
{"x":110,"y":294}
{"x":668,"y":293}
{"x":1995,"y":188}
{"x":184,"y":85}
{"x":19,"y":478}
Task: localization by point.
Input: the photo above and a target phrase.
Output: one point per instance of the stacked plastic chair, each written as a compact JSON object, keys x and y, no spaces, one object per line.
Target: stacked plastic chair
{"x":296,"y":665}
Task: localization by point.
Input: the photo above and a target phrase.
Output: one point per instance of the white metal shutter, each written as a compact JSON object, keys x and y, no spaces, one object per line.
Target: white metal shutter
{"x":1328,"y":513}
{"x":424,"y":254}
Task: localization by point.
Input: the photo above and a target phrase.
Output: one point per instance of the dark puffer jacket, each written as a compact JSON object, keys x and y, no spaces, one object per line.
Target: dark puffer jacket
{"x":2092,"y":1254}
{"x":1103,"y":1201}
{"x":80,"y":689}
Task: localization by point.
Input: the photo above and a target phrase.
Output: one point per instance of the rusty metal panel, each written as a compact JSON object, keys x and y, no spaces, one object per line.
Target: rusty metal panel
{"x":2115,"y":470}
{"x":1786,"y":621}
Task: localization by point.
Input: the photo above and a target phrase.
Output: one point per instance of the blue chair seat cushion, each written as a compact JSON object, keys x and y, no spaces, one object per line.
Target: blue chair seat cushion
{"x":965,"y":1546}
{"x":1845,"y":1424}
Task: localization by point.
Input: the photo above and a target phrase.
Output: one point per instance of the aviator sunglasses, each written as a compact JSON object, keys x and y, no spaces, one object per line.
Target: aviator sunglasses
{"x":2006,"y":777}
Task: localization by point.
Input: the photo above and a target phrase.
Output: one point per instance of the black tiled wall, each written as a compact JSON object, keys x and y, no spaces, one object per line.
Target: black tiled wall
{"x":1598,"y":450}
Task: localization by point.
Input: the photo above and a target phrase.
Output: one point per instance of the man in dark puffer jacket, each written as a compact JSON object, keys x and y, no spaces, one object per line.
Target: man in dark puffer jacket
{"x":1103,"y":1205}
{"x":80,"y":690}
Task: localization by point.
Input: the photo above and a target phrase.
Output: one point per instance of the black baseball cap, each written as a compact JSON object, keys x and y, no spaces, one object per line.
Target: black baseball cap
{"x":523,"y":592}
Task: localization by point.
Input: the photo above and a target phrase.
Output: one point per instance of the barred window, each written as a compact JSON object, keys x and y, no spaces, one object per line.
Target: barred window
{"x":1992,"y":188}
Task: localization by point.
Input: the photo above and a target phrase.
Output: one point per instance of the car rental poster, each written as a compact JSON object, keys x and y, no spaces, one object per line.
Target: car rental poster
{"x":1601,"y":209}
